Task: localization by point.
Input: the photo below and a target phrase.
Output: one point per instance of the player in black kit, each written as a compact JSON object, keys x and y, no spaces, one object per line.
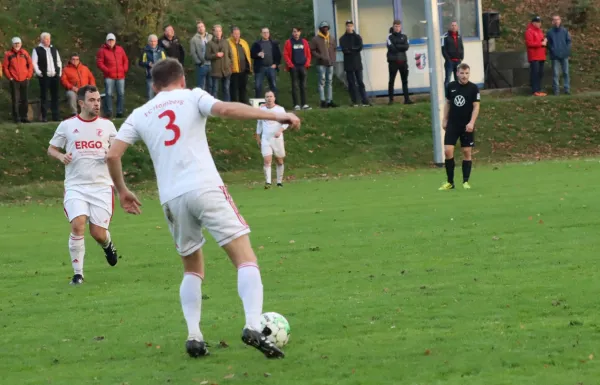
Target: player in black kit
{"x":460,"y":114}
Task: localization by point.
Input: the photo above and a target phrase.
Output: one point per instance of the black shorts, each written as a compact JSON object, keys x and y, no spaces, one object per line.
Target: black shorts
{"x":467,"y":139}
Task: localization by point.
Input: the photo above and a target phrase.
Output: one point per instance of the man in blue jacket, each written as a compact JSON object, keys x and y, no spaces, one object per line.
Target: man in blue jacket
{"x":152,"y":53}
{"x":559,"y":46}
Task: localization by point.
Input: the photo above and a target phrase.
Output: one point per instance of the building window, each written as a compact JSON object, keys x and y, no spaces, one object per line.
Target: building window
{"x":413,"y":18}
{"x":343,"y":12}
{"x":375,"y":17}
{"x":462,"y":11}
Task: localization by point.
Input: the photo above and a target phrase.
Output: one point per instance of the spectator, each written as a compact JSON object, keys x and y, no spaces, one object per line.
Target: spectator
{"x":198,"y":51}
{"x":536,"y":54}
{"x":453,"y":51}
{"x":297,"y":56}
{"x":323,"y":49}
{"x":170,"y":43}
{"x":559,"y":45}
{"x":75,"y":75}
{"x":152,"y":54}
{"x":48,"y":68}
{"x":267,"y":58}
{"x":218,"y":52}
{"x":241,"y":66}
{"x":112,"y":60}
{"x":18,"y":69}
{"x":397,"y":45}
{"x":352,"y":45}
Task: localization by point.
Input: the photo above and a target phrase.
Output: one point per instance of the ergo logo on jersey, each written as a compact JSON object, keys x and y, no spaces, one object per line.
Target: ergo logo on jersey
{"x":90,"y":144}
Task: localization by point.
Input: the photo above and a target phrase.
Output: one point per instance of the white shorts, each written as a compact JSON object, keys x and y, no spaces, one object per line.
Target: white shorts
{"x":212,"y":209}
{"x":273,"y":146}
{"x":97,"y":204}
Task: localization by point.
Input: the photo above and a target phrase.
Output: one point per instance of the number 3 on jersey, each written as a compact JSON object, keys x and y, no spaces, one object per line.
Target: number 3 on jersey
{"x":171,"y":126}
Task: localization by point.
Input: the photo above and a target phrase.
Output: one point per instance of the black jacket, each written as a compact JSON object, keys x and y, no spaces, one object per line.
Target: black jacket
{"x":255,"y":50}
{"x":449,"y":48}
{"x":173,"y":48}
{"x":397,"y":45}
{"x":352,"y":44}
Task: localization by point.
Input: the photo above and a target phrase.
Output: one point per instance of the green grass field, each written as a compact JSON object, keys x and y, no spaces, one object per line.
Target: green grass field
{"x":384,"y":280}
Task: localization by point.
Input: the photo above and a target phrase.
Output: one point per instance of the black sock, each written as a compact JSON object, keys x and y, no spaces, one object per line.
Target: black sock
{"x":450,"y":170}
{"x":466,"y":169}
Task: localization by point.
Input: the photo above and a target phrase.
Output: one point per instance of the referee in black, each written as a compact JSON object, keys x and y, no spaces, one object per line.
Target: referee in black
{"x":460,"y":114}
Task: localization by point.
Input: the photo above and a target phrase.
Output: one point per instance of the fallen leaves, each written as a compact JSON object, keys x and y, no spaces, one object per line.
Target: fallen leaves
{"x":427,"y":352}
{"x":229,"y":376}
{"x":98,"y":338}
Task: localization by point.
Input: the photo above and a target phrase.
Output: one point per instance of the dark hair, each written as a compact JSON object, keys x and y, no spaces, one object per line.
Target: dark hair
{"x":166,"y":72}
{"x":299,"y":29}
{"x":397,"y":22}
{"x":74,"y":54}
{"x":463,"y":66}
{"x":84,"y":90}
{"x":235,"y":28}
{"x":167,"y":26}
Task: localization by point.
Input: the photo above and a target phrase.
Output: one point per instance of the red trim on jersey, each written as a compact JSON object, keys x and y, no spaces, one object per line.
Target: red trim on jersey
{"x":235,"y":209}
{"x":87,"y":121}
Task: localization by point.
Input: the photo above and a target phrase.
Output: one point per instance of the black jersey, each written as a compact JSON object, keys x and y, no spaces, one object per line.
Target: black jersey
{"x":462,"y":98}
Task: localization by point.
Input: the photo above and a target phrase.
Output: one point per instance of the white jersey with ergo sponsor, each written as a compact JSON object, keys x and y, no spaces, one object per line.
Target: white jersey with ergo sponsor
{"x":88,"y":142}
{"x":173,"y":126}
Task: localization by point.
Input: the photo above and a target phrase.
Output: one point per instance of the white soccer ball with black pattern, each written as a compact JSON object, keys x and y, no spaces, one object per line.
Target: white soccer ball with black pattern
{"x":276,"y":328}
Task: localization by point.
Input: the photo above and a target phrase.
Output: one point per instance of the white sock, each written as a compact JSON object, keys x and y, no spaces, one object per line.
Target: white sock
{"x":267,"y":174}
{"x":280,"y":168}
{"x":190,"y":293}
{"x":107,"y":242}
{"x":77,"y":252}
{"x":250,"y":289}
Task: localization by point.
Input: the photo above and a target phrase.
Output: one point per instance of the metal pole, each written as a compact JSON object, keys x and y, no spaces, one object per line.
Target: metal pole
{"x":436,"y":82}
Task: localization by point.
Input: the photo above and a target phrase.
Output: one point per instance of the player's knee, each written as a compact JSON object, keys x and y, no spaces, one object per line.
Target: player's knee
{"x":78,"y":225}
{"x":279,"y":161}
{"x":194,"y":263}
{"x":98,"y":233}
{"x":467,"y":153}
{"x":240,"y":251}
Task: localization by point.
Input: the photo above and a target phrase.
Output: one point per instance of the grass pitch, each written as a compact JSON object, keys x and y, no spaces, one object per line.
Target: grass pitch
{"x":384,"y":280}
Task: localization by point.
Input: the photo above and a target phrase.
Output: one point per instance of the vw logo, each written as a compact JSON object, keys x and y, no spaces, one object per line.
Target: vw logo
{"x":459,"y":101}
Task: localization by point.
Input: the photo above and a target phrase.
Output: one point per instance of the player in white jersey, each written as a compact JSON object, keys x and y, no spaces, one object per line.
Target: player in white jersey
{"x":89,"y":196}
{"x":192,"y":194}
{"x":269,"y":135}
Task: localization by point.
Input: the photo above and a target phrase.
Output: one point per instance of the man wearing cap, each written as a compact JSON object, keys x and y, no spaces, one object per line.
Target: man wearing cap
{"x":48,"y":68}
{"x":352,"y":45}
{"x":536,"y":43}
{"x":112,"y":60}
{"x":322,"y":47}
{"x":18,"y":69}
{"x":75,"y":75}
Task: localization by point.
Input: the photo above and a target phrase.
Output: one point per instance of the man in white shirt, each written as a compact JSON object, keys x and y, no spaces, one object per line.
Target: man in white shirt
{"x":88,"y":187}
{"x":269,"y":135}
{"x":192,"y":193}
{"x":48,"y":68}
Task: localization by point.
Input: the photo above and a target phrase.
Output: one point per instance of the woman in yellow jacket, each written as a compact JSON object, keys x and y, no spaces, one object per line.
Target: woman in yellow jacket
{"x":241,"y":66}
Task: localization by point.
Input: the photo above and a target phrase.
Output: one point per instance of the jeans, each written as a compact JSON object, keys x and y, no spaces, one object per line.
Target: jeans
{"x":451,"y":67}
{"x":325,"y":81}
{"x":536,"y":74}
{"x":564,"y":65}
{"x":109,"y":86}
{"x":225,"y":82}
{"x":72,"y":101}
{"x":356,"y":87}
{"x":150,"y":94}
{"x":18,"y":95}
{"x":259,"y":76}
{"x":203,"y":78}
{"x":47,"y":83}
{"x":299,"y":77}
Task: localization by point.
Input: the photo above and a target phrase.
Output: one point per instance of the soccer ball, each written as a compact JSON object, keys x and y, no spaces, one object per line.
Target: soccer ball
{"x":276,"y":328}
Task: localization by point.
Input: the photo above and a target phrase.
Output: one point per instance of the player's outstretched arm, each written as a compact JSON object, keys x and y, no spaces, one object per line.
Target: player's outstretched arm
{"x":56,"y":153}
{"x":128,"y":200}
{"x":239,"y":111}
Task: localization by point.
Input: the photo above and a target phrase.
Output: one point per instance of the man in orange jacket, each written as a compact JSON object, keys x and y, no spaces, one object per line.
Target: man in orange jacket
{"x":18,"y":69}
{"x":75,"y":75}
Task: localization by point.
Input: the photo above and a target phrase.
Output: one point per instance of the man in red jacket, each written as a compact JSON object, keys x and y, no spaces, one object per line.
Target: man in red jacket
{"x":536,"y":42}
{"x":112,"y":61}
{"x":18,"y":69}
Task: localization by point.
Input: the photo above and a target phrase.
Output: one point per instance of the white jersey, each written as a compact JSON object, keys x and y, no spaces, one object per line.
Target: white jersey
{"x":268,"y":128}
{"x":173,"y":126}
{"x":88,"y":142}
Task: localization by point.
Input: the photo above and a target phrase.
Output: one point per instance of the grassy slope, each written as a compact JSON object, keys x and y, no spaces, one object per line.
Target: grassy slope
{"x":348,"y":139}
{"x":388,"y":282}
{"x":74,"y":30}
{"x":516,"y":14}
